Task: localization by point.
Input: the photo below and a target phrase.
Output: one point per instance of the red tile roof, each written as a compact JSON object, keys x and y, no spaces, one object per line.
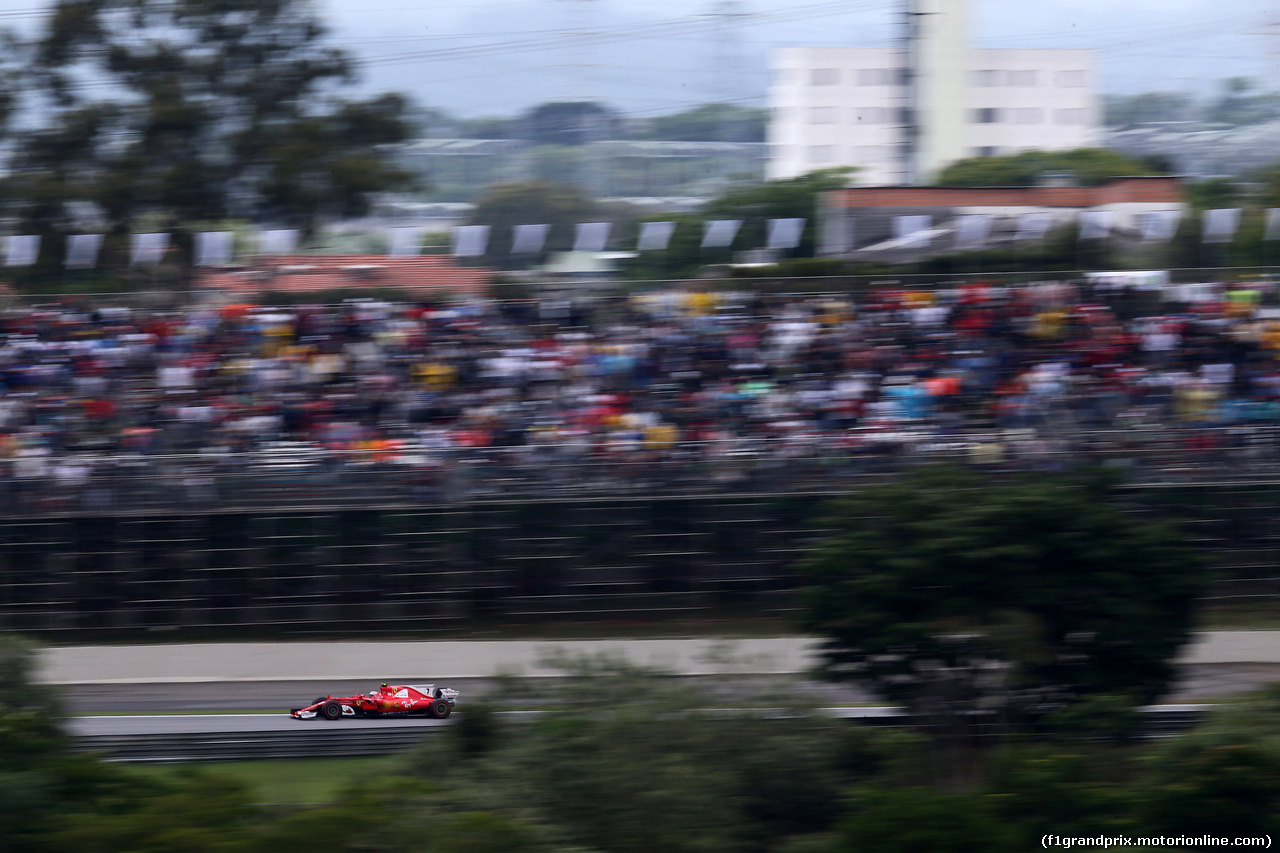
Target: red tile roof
{"x":1160,"y":189}
{"x":303,"y":273}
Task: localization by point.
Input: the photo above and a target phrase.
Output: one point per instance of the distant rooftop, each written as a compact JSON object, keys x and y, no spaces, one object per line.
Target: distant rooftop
{"x":305,"y":273}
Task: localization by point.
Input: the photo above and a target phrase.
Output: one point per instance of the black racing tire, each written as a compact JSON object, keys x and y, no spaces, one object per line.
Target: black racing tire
{"x":440,"y":709}
{"x":318,"y":700}
{"x":332,"y":710}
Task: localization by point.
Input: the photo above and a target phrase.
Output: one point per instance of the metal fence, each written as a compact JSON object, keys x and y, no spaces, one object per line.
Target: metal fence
{"x":305,"y":476}
{"x":343,"y":542}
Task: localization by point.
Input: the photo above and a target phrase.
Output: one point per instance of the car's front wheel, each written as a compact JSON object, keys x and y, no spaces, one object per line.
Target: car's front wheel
{"x":440,"y":709}
{"x":332,"y":709}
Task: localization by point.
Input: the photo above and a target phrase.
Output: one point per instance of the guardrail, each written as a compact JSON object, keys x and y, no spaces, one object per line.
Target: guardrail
{"x":302,"y":476}
{"x":1159,"y":721}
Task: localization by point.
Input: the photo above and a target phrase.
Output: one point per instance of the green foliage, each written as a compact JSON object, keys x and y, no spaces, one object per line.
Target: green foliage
{"x":1239,"y":103}
{"x":567,"y":123}
{"x":910,"y":820}
{"x":246,"y":125}
{"x":950,"y":593}
{"x":1109,"y":717}
{"x":754,"y":205}
{"x":1126,"y":110}
{"x":1213,"y":193}
{"x":1035,"y":788}
{"x":505,"y":206}
{"x":1091,"y":166}
{"x":627,"y":762}
{"x":712,"y":123}
{"x":205,"y":813}
{"x":1217,"y":781}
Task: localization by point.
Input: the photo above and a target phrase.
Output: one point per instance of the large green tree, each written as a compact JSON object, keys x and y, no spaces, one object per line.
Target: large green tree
{"x":163,"y":113}
{"x":950,"y":592}
{"x":1090,"y":166}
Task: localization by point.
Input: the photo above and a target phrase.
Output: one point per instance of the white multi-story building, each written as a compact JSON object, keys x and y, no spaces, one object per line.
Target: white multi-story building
{"x":901,"y":115}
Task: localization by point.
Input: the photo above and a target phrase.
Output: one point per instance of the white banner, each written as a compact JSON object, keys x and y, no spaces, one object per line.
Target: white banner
{"x":1095,"y":224}
{"x":972,"y":230}
{"x":655,"y":236}
{"x":21,"y":250}
{"x":281,"y":241}
{"x":213,"y":248}
{"x":147,"y":248}
{"x":591,"y":236}
{"x":405,"y":242}
{"x":1220,"y":224}
{"x":1159,"y":226}
{"x":720,"y":232}
{"x":82,"y":250}
{"x":1033,"y":226}
{"x":837,"y":234}
{"x":909,"y":229}
{"x":470,"y":241}
{"x":529,"y":239}
{"x":784,"y":233}
{"x":1273,"y":224}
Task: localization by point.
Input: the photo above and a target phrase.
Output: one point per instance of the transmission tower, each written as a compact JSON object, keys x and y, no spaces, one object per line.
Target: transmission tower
{"x":1271,"y":55}
{"x":581,"y":71}
{"x":580,"y":66}
{"x":728,"y":56}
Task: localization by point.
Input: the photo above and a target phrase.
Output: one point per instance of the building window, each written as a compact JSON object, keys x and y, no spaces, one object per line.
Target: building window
{"x":1069,"y":78}
{"x":876,"y":76}
{"x":1022,"y":78}
{"x":1028,"y":115}
{"x":824,"y":76}
{"x":822,"y":153}
{"x":1076,"y":116}
{"x":985,"y":151}
{"x":988,"y":78}
{"x":822,"y":115}
{"x":986,"y":115}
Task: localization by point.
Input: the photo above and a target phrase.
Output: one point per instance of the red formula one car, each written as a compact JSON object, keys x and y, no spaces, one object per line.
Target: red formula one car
{"x":389,"y":700}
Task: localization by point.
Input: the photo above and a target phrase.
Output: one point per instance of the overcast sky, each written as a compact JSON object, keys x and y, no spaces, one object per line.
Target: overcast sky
{"x":650,"y":57}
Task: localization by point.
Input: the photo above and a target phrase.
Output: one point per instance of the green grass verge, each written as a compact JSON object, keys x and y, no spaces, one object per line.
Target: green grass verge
{"x":1240,"y":617}
{"x":304,"y":781}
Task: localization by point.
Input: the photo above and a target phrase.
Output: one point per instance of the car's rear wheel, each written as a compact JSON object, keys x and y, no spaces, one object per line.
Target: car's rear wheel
{"x":440,"y":709}
{"x":332,"y":709}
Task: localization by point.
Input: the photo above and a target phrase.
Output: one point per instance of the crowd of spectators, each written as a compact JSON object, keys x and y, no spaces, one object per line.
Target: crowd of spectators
{"x":559,"y":392}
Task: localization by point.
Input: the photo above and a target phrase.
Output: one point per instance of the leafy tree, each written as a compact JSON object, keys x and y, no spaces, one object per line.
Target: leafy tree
{"x":1091,"y":166}
{"x":1125,"y":110}
{"x":208,"y":111}
{"x":908,"y":820}
{"x":1036,"y":786}
{"x":568,"y":123}
{"x":1213,"y":192}
{"x":1216,"y":781}
{"x":952,"y":594}
{"x":630,"y":761}
{"x":712,"y":123}
{"x":797,"y":197}
{"x":505,"y":206}
{"x":1239,"y":103}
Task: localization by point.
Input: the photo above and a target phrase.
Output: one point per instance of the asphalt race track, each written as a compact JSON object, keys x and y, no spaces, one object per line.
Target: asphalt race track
{"x":200,"y":724}
{"x":232,"y":737}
